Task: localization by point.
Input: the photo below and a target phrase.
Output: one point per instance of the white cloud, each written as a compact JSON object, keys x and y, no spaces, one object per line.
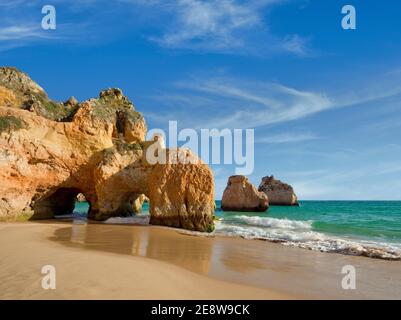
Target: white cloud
{"x":18,"y":32}
{"x":223,"y":26}
{"x":307,"y":190}
{"x":11,"y":3}
{"x":346,"y":183}
{"x":287,"y":138}
{"x":21,"y":25}
{"x":238,"y":103}
{"x":394,"y":71}
{"x":25,"y":34}
{"x":297,"y":45}
{"x":209,"y":23}
{"x":223,"y":101}
{"x":228,"y":26}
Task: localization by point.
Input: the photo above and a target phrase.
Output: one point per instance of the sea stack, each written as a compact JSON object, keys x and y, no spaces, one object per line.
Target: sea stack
{"x":279,"y":193}
{"x":241,"y":195}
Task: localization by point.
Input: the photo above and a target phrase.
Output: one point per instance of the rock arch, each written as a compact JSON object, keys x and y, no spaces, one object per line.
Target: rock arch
{"x":51,"y":151}
{"x":60,"y":202}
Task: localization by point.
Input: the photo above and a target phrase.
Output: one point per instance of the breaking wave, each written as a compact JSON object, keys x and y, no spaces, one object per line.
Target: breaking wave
{"x":139,"y":219}
{"x":271,"y":222}
{"x":300,"y":234}
{"x":294,"y":233}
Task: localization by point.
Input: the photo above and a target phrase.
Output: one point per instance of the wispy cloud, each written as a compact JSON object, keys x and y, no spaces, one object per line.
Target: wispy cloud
{"x":287,"y":138}
{"x":20,"y":25}
{"x":297,"y":45}
{"x":209,"y":24}
{"x":226,"y":101}
{"x":22,"y":32}
{"x":228,"y":26}
{"x":29,"y":33}
{"x":12,"y":3}
{"x":367,"y":172}
{"x":395,"y":71}
{"x":241,"y":103}
{"x":223,"y":26}
{"x":341,"y":184}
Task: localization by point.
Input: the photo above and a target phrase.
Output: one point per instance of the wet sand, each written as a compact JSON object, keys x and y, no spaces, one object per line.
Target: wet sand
{"x":98,"y":261}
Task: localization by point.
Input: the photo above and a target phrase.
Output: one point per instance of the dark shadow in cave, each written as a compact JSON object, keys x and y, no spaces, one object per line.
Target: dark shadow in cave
{"x":60,"y":203}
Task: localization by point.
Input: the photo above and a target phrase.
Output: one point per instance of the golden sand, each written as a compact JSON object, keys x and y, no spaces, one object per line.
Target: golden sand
{"x":98,"y":261}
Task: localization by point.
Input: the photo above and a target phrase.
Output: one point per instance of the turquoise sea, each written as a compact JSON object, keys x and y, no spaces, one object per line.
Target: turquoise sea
{"x":369,"y":228}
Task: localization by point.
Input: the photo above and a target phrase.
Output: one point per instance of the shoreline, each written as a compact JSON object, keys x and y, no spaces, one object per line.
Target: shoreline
{"x":109,"y":261}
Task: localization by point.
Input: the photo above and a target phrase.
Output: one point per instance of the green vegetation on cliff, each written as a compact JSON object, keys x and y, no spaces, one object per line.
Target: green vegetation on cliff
{"x":50,"y":109}
{"x":121,"y":147}
{"x":28,"y":95}
{"x":112,"y":101}
{"x":210,"y":228}
{"x":10,"y":123}
{"x":22,"y":92}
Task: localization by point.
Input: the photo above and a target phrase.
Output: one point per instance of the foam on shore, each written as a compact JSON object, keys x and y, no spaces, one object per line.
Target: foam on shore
{"x":293,"y":233}
{"x":300,"y":234}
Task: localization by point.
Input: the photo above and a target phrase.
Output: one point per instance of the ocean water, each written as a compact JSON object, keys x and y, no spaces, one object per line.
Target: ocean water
{"x":367,"y":228}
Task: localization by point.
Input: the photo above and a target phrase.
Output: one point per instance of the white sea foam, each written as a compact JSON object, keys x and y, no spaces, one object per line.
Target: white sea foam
{"x":299,"y":234}
{"x":293,"y":233}
{"x":64,"y":216}
{"x":139,"y":219}
{"x":272,"y":222}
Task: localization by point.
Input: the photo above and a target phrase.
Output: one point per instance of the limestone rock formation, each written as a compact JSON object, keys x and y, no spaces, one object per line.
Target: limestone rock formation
{"x":50,"y":152}
{"x":72,"y":101}
{"x":279,"y":193}
{"x":138,"y":201}
{"x":81,"y":197}
{"x":241,"y":195}
{"x":182,"y":195}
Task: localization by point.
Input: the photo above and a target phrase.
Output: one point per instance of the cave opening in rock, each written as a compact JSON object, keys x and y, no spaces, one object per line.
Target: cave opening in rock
{"x":133,"y":204}
{"x":82,"y":205}
{"x":144,"y":204}
{"x":120,"y":121}
{"x":62,"y":202}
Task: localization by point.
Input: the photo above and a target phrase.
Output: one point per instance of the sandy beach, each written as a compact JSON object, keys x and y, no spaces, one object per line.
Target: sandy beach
{"x":98,"y":261}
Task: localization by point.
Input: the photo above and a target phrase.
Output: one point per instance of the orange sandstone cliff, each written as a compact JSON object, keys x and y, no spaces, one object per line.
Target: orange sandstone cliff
{"x":50,"y":152}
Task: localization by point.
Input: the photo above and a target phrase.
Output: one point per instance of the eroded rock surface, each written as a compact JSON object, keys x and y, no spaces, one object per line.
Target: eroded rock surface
{"x":182,"y":194}
{"x":279,"y":193}
{"x":81,"y":197}
{"x":241,"y":195}
{"x":50,"y":152}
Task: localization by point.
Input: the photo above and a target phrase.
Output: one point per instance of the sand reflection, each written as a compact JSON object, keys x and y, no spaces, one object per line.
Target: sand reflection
{"x":192,"y":253}
{"x":241,"y":259}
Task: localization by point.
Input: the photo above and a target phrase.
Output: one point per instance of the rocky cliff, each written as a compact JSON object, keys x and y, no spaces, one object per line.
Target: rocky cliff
{"x":241,"y":195}
{"x":50,"y":152}
{"x":279,"y":193}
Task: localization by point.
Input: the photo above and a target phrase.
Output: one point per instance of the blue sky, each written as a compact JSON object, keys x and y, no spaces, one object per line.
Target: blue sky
{"x":324,"y":102}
